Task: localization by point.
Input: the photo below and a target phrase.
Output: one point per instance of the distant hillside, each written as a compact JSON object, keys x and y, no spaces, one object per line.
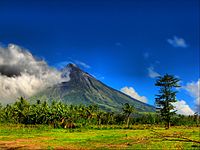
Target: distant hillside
{"x":85,"y":89}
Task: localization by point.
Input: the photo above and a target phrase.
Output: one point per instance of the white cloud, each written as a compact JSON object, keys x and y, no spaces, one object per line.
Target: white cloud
{"x":152,"y":73}
{"x":62,"y":64}
{"x":80,"y":63}
{"x":177,"y":42}
{"x":131,"y":92}
{"x":193,"y":88}
{"x":21,"y":74}
{"x":183,"y":108}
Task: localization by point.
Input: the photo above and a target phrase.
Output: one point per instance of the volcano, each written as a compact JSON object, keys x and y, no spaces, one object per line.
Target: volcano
{"x":83,"y":88}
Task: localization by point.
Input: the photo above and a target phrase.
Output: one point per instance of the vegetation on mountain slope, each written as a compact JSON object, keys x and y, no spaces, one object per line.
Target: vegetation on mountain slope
{"x":85,"y":89}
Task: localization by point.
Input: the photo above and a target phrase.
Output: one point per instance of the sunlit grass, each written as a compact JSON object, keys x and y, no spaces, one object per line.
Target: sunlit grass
{"x":20,"y":136}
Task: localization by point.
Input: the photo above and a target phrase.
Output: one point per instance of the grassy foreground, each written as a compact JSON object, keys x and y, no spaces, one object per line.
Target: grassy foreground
{"x":139,"y":137}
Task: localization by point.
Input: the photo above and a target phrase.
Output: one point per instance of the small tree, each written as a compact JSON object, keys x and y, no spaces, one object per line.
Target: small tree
{"x":128,"y":110}
{"x":166,"y":96}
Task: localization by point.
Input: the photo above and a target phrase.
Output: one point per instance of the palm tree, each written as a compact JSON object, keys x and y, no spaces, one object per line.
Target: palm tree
{"x":21,"y":109}
{"x":128,"y":110}
{"x":100,"y":115}
{"x":7,"y":114}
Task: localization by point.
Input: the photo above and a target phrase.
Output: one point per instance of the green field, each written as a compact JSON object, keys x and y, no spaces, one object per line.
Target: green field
{"x":139,"y":137}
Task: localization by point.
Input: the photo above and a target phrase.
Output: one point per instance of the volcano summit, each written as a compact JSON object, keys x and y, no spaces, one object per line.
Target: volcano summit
{"x":82,"y":88}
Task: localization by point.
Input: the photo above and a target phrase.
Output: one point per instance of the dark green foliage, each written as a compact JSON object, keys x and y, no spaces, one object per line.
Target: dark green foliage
{"x":60,"y":115}
{"x":185,"y":120}
{"x":166,"y":96}
{"x":128,"y":110}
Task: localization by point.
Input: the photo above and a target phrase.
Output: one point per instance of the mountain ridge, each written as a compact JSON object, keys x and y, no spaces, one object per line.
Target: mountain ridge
{"x":83,"y":88}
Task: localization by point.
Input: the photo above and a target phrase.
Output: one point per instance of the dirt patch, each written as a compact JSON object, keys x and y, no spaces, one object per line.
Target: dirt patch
{"x":24,"y":143}
{"x":10,"y":145}
{"x":34,"y":143}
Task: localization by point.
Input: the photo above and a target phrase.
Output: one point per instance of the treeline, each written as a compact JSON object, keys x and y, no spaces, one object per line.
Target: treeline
{"x":59,"y":115}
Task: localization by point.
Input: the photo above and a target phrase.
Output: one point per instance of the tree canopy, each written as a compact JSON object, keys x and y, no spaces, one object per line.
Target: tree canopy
{"x":166,"y":96}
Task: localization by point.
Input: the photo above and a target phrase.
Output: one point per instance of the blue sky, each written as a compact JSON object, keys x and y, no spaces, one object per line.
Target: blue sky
{"x":122,"y":43}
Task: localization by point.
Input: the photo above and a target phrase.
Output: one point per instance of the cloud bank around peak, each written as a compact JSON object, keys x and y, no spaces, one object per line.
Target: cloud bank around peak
{"x":132,"y":93}
{"x":79,"y":63}
{"x":21,"y":74}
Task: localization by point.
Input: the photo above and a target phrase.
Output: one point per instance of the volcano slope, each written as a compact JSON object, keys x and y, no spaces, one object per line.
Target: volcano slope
{"x":85,"y":89}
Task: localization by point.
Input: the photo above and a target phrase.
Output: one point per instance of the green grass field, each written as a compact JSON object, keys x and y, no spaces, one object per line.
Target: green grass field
{"x":139,"y":137}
